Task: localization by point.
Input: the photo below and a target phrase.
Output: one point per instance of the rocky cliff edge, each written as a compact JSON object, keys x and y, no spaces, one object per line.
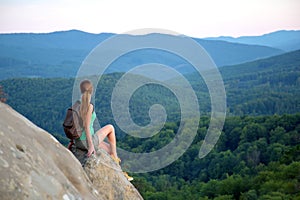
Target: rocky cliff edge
{"x":34,"y":165}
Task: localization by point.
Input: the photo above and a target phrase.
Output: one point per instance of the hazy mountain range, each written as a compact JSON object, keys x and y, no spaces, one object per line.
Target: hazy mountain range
{"x":285,"y":40}
{"x":59,"y":54}
{"x":255,"y":157}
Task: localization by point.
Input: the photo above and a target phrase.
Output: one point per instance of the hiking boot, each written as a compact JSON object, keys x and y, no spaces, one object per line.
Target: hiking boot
{"x":129,"y":178}
{"x":117,"y":160}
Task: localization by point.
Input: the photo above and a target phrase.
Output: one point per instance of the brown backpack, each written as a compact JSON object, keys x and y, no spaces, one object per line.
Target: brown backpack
{"x":73,"y":125}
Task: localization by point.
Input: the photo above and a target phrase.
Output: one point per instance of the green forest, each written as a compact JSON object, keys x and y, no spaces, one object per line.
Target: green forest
{"x":256,"y":157}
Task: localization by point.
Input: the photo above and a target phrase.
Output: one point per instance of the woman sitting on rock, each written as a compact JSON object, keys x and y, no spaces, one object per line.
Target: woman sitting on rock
{"x":90,"y":139}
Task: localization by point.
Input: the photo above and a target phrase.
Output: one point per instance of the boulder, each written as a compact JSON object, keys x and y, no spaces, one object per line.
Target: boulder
{"x":34,"y":165}
{"x":104,"y":173}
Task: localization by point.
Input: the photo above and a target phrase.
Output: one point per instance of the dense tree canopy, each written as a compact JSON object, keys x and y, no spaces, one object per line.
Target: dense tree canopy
{"x":265,"y":164}
{"x":256,"y":157}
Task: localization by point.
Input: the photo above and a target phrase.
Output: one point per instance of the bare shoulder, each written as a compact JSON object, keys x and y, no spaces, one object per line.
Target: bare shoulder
{"x":91,"y":108}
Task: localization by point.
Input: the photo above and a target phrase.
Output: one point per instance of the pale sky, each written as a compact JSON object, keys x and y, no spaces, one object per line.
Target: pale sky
{"x":197,"y":18}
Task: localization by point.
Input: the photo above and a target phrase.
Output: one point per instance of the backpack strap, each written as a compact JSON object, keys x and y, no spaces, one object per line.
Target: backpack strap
{"x":71,"y":143}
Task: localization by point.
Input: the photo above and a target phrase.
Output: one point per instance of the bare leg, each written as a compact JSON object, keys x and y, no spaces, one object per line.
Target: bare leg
{"x":105,"y":146}
{"x":110,"y":148}
{"x":109,"y":132}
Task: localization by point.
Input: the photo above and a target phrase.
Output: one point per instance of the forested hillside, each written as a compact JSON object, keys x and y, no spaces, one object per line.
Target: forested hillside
{"x":264,"y":87}
{"x":256,"y":157}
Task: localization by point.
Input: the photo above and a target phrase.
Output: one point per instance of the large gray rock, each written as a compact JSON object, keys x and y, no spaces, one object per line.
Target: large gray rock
{"x":104,"y":173}
{"x":34,"y":165}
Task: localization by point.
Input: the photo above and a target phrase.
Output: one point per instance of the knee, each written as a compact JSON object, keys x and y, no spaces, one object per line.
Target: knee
{"x":111,"y":127}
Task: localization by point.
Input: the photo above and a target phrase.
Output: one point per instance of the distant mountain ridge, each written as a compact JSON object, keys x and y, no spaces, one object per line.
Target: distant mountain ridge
{"x":262,"y":87}
{"x":59,"y":54}
{"x":285,"y":40}
{"x":287,"y":62}
{"x":72,"y":39}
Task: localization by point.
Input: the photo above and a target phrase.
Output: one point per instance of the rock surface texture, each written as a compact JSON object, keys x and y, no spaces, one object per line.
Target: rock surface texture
{"x":106,"y":175}
{"x":34,"y":165}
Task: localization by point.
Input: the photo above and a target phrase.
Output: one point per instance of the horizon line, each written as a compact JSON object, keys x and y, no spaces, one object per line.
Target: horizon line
{"x":144,"y":33}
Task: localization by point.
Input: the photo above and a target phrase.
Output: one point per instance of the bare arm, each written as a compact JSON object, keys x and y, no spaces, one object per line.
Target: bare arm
{"x":91,"y":148}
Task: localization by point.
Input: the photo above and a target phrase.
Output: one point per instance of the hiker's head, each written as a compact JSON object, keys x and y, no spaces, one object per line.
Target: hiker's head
{"x":86,"y":86}
{"x":86,"y":89}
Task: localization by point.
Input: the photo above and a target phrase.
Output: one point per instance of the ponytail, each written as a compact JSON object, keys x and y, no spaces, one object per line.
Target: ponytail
{"x":86,"y":91}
